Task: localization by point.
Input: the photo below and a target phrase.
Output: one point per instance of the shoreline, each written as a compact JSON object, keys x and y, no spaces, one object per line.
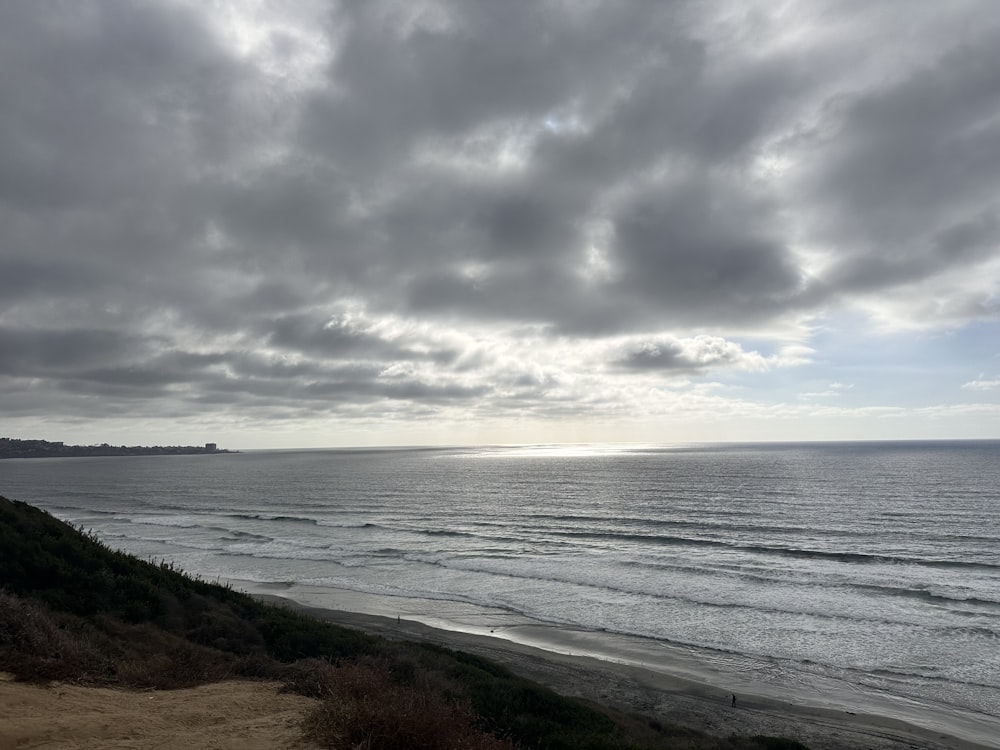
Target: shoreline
{"x":675,"y":684}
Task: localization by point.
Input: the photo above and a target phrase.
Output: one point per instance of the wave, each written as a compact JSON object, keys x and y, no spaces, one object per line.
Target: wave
{"x":304,"y":520}
{"x":76,"y":510}
{"x":771,"y":550}
{"x":974,"y":630}
{"x":275,"y":518}
{"x":348,"y":525}
{"x":929,"y":672}
{"x":232,"y":535}
{"x":311,"y":554}
{"x":934,"y":597}
{"x":862,"y":557}
{"x":167,"y":521}
{"x":701,"y":523}
{"x":174,"y":542}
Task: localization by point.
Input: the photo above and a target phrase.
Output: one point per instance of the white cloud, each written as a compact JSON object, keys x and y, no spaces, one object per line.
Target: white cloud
{"x":981,"y":384}
{"x":832,"y":390}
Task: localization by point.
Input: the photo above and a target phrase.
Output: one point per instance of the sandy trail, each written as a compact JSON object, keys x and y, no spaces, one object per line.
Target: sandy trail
{"x":224,"y":716}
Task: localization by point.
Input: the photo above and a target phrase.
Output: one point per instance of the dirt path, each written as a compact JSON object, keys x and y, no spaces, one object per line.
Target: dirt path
{"x":223,"y":716}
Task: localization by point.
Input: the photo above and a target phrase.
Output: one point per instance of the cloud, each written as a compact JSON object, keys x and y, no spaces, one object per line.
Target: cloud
{"x":382,"y":210}
{"x":982,"y":385}
{"x":896,"y":172}
{"x":689,"y":356}
{"x":833,"y":390}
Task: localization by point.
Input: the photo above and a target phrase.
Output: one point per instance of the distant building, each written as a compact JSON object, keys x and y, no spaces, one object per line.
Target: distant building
{"x":211,"y":447}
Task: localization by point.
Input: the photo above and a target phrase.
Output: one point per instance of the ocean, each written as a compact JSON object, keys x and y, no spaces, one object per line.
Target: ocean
{"x":862,"y":576}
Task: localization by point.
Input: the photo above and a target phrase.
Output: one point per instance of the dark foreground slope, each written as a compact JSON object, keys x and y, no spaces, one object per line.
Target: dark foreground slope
{"x":74,"y":610}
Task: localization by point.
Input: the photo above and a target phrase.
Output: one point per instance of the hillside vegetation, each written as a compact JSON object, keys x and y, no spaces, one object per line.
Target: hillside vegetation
{"x":74,"y":610}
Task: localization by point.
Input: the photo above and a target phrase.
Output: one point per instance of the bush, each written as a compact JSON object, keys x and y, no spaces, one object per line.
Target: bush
{"x":37,"y":645}
{"x":366,"y":708}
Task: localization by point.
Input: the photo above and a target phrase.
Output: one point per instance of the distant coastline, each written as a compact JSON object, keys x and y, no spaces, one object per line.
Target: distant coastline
{"x":15,"y":448}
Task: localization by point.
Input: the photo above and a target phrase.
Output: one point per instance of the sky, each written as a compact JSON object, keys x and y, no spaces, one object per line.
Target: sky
{"x":271,"y":224}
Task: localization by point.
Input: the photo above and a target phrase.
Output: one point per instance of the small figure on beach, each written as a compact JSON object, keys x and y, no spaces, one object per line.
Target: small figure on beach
{"x":734,"y":700}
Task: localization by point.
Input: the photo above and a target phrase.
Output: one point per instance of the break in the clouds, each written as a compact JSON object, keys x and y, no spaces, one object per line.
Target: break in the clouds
{"x":333,"y":222}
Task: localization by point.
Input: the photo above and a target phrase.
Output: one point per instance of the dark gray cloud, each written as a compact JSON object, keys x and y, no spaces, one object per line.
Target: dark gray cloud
{"x":900,"y":174}
{"x":339,"y":338}
{"x":699,"y":251}
{"x":687,"y":357}
{"x":27,"y":351}
{"x":343,"y":207}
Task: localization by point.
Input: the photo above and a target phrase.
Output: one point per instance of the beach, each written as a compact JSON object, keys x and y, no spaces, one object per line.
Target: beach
{"x":661,"y":694}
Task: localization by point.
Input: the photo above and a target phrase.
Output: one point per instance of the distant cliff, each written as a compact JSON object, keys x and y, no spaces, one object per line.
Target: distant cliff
{"x":14,"y":448}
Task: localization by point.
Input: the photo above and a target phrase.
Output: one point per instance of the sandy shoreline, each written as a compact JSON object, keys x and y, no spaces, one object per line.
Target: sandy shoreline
{"x":664,"y":695}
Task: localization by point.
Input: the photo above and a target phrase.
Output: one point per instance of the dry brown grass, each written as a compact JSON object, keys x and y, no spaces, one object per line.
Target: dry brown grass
{"x":366,"y":709}
{"x":40,"y":645}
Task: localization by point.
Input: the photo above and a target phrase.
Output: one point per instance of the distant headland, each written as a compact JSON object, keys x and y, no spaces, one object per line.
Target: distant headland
{"x":14,"y":448}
